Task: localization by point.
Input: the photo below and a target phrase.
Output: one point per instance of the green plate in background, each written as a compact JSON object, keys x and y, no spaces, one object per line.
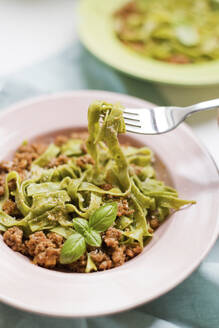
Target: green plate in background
{"x":96,"y":33}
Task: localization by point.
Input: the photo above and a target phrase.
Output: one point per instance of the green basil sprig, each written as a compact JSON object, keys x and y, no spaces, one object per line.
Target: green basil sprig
{"x":103,"y":217}
{"x":88,"y":232}
{"x":81,"y":225}
{"x":93,"y":238}
{"x":73,"y":248}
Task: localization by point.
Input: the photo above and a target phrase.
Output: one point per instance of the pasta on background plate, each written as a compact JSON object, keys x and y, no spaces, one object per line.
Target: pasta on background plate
{"x":180,"y":32}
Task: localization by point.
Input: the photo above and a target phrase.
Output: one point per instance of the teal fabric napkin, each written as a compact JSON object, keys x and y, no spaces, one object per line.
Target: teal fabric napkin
{"x":195,"y":302}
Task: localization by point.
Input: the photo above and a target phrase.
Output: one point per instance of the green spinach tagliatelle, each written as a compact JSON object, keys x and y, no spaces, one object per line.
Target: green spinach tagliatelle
{"x":70,"y":201}
{"x":182,"y":32}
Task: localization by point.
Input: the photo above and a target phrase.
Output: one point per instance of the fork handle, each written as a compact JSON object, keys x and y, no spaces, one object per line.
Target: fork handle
{"x":205,"y":105}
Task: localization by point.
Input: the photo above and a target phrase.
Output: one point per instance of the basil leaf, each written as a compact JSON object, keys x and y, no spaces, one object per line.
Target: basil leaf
{"x":93,"y":238}
{"x":103,"y":217}
{"x":63,"y":231}
{"x":72,"y":249}
{"x":90,"y":264}
{"x":80,"y":225}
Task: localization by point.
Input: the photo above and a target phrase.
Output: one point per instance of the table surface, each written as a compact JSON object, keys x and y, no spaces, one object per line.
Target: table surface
{"x":41,"y":53}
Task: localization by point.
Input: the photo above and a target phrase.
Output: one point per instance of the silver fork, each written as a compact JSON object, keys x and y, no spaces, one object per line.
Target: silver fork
{"x":162,"y":119}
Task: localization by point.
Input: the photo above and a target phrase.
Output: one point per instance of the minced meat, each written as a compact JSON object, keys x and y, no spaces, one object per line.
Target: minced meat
{"x":154,"y":223}
{"x":10,"y":208}
{"x":123,"y":208}
{"x":48,"y":258}
{"x":79,"y":135}
{"x":25,"y":155}
{"x":79,"y":265}
{"x":60,"y":140}
{"x":82,"y":161}
{"x":106,"y":186}
{"x":45,"y":251}
{"x":112,"y":237}
{"x":13,"y":237}
{"x":101,"y":260}
{"x":132,"y":251}
{"x":5,"y":166}
{"x":118,"y":255}
{"x":60,"y":160}
{"x":55,"y":238}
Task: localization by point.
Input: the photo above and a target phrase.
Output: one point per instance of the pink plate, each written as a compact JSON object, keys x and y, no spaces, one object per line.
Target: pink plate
{"x":175,"y":251}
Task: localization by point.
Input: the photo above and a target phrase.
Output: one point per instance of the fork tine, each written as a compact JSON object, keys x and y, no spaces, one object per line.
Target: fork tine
{"x":131,"y":111}
{"x":131,"y":117}
{"x":132,"y":123}
{"x":132,"y":114}
{"x":133,"y":129}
